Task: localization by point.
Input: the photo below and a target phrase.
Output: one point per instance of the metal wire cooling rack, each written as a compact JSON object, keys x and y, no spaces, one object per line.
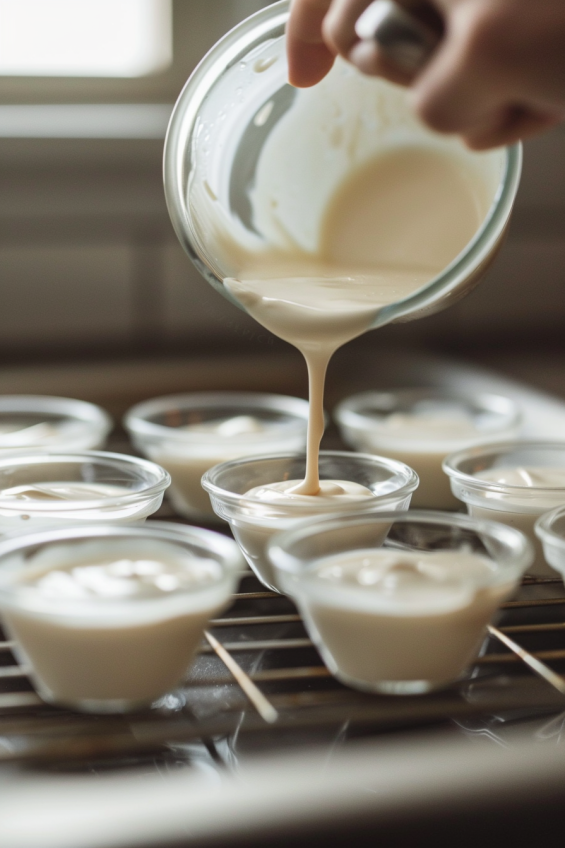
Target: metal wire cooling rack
{"x":211,"y":718}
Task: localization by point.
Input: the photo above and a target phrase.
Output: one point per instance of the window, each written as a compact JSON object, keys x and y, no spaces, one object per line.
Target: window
{"x":85,"y":38}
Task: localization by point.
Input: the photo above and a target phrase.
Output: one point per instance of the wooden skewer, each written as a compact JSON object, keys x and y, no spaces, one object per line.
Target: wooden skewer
{"x":261,"y":704}
{"x":536,"y":665}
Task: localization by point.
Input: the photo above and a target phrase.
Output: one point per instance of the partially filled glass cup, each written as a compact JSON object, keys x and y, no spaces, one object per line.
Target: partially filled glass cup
{"x":254,"y":521}
{"x":189,"y":433}
{"x":42,"y":422}
{"x":107,"y":618}
{"x":421,"y":427}
{"x":92,"y":486}
{"x":251,"y":166}
{"x":514,"y":483}
{"x":399,"y":602}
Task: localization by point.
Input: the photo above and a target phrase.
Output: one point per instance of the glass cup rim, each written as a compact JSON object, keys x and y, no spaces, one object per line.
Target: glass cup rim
{"x":277,"y":547}
{"x":226,"y":550}
{"x":451,"y":463}
{"x":135,"y":420}
{"x":348,"y":414}
{"x":230,"y":49}
{"x":544,"y":526}
{"x":410,"y":485}
{"x":161,"y":482}
{"x":84,"y":414}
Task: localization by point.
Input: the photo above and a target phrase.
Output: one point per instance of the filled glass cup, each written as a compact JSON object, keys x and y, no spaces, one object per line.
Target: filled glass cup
{"x":108,"y":618}
{"x":514,"y":483}
{"x":421,"y":427}
{"x":189,"y":433}
{"x":399,"y":602}
{"x":91,"y":486}
{"x":550,"y":530}
{"x":254,"y":521}
{"x":42,"y":422}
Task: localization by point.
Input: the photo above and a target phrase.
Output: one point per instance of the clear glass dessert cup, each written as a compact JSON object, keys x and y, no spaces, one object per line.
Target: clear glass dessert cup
{"x":110,"y":654}
{"x":91,"y":486}
{"x":550,"y":530}
{"x":373,"y":646}
{"x":515,"y":505}
{"x":253,"y":521}
{"x":366,"y":423}
{"x":227,"y":113}
{"x":41,"y":422}
{"x":159,"y":429}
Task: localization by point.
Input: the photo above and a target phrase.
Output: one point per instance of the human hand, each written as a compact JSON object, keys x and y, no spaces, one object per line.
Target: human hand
{"x":497,"y":76}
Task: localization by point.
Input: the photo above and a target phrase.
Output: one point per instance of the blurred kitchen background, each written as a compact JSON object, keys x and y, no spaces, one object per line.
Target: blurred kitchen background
{"x":97,"y":299}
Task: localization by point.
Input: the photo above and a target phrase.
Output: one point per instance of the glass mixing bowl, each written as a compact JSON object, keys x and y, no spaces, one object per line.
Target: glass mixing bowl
{"x":219,"y":138}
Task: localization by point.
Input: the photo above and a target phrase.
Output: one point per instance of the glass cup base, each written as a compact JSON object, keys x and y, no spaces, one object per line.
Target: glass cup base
{"x":391,"y":687}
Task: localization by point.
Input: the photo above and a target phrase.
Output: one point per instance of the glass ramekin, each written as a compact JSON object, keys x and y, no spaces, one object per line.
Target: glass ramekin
{"x":110,"y":654}
{"x":41,"y":422}
{"x":550,"y":530}
{"x":517,"y":506}
{"x":365,"y":424}
{"x":363,"y":642}
{"x":157,"y":429}
{"x":218,"y":133}
{"x":253,"y":522}
{"x":135,"y":489}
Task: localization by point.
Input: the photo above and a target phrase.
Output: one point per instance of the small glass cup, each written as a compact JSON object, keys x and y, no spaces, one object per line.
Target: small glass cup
{"x":550,"y":530}
{"x":180,"y":432}
{"x":421,"y":427}
{"x":369,"y":641}
{"x":253,"y":522}
{"x":54,"y":424}
{"x":516,"y":505}
{"x":111,"y":653}
{"x":46,"y":489}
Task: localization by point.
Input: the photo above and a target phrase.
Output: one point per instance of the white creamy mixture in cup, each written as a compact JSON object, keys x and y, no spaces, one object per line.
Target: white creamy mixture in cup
{"x":188,"y":434}
{"x":406,"y":617}
{"x":514,"y":483}
{"x":39,"y":490}
{"x":421,"y":427}
{"x":109,"y":618}
{"x":248,"y":493}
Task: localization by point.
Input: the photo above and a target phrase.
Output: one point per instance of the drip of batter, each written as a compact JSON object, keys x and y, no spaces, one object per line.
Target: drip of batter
{"x":389,"y":229}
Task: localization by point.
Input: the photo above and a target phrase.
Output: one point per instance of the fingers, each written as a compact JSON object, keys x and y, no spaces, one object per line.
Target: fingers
{"x":518,"y":125}
{"x":367,"y":57}
{"x":309,"y":57}
{"x":339,"y":24}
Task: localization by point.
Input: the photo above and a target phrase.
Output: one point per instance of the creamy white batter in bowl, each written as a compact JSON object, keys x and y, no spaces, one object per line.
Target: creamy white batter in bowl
{"x":407,"y":616}
{"x":513,"y":482}
{"x":189,"y":433}
{"x":109,"y":618}
{"x":252,"y":168}
{"x":42,"y":422}
{"x":254,"y":495}
{"x":91,"y":486}
{"x":421,"y":427}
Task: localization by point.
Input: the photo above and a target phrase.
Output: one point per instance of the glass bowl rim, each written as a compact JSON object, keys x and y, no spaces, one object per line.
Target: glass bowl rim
{"x":136,"y":422}
{"x":347,"y":414}
{"x":278,"y":544}
{"x":407,"y":488}
{"x":224,"y":548}
{"x":161,"y":482}
{"x":450,"y":468}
